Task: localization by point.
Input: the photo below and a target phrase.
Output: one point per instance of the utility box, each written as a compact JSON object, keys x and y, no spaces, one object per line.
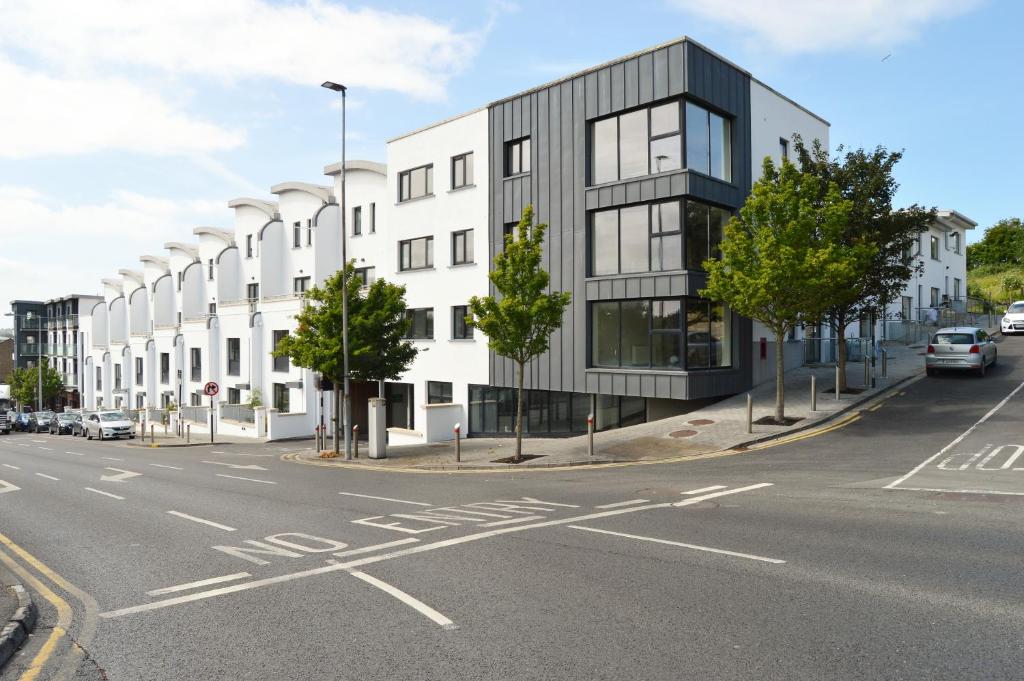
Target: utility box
{"x":378,"y":428}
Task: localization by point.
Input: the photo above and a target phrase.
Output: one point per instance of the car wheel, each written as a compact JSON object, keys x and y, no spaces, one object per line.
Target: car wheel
{"x":88,"y":435}
{"x":995,"y":356}
{"x":930,"y":372}
{"x":981,"y":369}
{"x":101,"y":435}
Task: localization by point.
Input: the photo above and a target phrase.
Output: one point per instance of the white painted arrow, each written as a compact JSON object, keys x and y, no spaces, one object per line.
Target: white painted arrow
{"x":250,"y":467}
{"x":7,"y":487}
{"x":121,"y":476}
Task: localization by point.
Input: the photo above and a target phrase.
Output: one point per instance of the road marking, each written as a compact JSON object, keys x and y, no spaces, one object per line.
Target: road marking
{"x":196,"y":585}
{"x":704,"y":489}
{"x":12,"y":467}
{"x":511,"y":521}
{"x":160,"y":465}
{"x":266,"y":482}
{"x":215,"y":452}
{"x":412,"y":550}
{"x":7,"y":487}
{"x":121,"y":476}
{"x":110,"y":458}
{"x":397,"y":501}
{"x":958,"y":440}
{"x":954,"y":491}
{"x":375,"y":547}
{"x":23,"y":444}
{"x":106,"y":494}
{"x":49,"y":449}
{"x":655,"y":540}
{"x":38,"y":441}
{"x":414,"y":603}
{"x":194,"y":519}
{"x":249,"y":467}
{"x":617,"y":504}
{"x":75,"y":453}
{"x":48,"y":477}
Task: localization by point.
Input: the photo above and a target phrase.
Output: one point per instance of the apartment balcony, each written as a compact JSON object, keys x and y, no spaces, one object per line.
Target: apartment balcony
{"x":28,"y":349}
{"x":70,"y":380}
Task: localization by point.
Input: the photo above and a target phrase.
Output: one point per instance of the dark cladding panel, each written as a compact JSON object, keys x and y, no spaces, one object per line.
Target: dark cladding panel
{"x":631,"y":83}
{"x":618,"y":86}
{"x":646,"y":77}
{"x":604,"y":92}
{"x":675,"y":69}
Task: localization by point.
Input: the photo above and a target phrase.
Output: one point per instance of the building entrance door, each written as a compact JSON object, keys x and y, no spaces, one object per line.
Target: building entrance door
{"x":400,"y":407}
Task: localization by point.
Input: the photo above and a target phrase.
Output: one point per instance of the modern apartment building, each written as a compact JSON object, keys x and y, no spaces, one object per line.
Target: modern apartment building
{"x":635,"y":165}
{"x":29,"y":324}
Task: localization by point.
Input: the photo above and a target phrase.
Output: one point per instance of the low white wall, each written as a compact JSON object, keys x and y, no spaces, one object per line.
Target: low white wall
{"x":400,"y":436}
{"x":439,"y":421}
{"x":291,"y":425}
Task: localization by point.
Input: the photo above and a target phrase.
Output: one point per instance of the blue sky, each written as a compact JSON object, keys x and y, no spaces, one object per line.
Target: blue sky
{"x":132,"y":123}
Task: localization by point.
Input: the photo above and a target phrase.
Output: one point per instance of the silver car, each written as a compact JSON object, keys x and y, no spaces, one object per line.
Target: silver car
{"x":960,"y":348}
{"x":1013,"y":320}
{"x":109,"y":424}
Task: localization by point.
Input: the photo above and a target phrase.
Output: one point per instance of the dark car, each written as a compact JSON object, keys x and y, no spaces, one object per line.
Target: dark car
{"x":39,"y":421}
{"x":78,"y":427}
{"x":62,"y":424}
{"x":21,"y":422}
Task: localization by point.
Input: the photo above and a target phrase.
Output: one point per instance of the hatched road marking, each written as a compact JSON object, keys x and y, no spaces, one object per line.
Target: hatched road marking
{"x":194,"y":519}
{"x":617,"y":504}
{"x":196,"y":585}
{"x":236,"y":477}
{"x":397,"y":501}
{"x":655,"y":540}
{"x":414,"y":603}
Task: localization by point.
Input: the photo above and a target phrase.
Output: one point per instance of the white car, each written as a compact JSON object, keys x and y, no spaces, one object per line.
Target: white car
{"x":107,"y":425}
{"x":1013,"y":320}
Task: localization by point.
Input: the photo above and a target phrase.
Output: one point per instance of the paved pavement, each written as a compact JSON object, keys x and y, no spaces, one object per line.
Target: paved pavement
{"x":810,"y":559}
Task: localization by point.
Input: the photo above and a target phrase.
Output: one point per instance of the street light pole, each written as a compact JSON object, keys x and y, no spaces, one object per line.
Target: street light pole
{"x":346,"y":403}
{"x":39,"y":367}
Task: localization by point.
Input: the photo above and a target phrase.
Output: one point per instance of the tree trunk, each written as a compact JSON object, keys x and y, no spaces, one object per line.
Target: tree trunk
{"x":519,"y":414}
{"x":780,"y":371}
{"x":841,"y":351}
{"x":335,"y":422}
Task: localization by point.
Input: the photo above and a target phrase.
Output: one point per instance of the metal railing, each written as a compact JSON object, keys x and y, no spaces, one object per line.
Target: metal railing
{"x":194,"y":414}
{"x":826,"y":350}
{"x":238,"y":412}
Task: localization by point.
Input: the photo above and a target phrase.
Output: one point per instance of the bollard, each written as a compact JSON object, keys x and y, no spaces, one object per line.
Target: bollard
{"x":590,"y":435}
{"x":458,"y":442}
{"x":750,"y":413}
{"x":867,"y":372}
{"x":885,"y":363}
{"x":188,"y":433}
{"x":355,"y":440}
{"x":814,"y":393}
{"x":151,"y":429}
{"x":837,"y":380}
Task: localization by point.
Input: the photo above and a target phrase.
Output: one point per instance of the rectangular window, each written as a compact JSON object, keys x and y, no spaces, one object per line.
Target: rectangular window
{"x":99,"y":378}
{"x":212,"y":307}
{"x":300,"y":284}
{"x":373,"y":218}
{"x":637,"y":143}
{"x":416,"y":254}
{"x":357,"y":221}
{"x":517,"y":156}
{"x":655,"y":334}
{"x":462,"y":247}
{"x":783,"y":148}
{"x":956,"y":289}
{"x":234,"y":357}
{"x":117,"y":377}
{"x":234,"y":396}
{"x":934,"y":247}
{"x":252,"y":291}
{"x":280,"y":363}
{"x":955,"y":237}
{"x":248,"y":245}
{"x":934,"y":298}
{"x":416,"y":183}
{"x":422,"y":326}
{"x":138,"y":371}
{"x":366,"y":275}
{"x":196,"y":364}
{"x":462,"y":170}
{"x":460,"y":329}
{"x":309,"y":232}
{"x":281,"y":398}
{"x":180,"y":277}
{"x":165,"y":368}
{"x":439,"y":392}
{"x":196,"y":399}
{"x":297,"y":235}
{"x":209,"y":269}
{"x":708,"y":142}
{"x":907,"y":308}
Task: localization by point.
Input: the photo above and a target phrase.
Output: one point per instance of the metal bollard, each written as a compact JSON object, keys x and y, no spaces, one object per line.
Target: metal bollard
{"x":814,"y":393}
{"x":867,"y":372}
{"x":458,"y":442}
{"x":355,"y":440}
{"x":885,"y":363}
{"x":188,"y":433}
{"x":151,"y":429}
{"x":590,"y":435}
{"x":837,"y":380}
{"x":750,"y":413}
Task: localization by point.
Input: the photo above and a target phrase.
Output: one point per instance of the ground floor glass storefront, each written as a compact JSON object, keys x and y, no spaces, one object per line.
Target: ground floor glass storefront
{"x":492,"y":411}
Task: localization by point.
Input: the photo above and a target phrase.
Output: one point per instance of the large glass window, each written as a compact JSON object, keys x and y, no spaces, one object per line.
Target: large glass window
{"x":281,"y":401}
{"x":416,"y":183}
{"x":708,"y":142}
{"x":422,"y":326}
{"x":280,"y":363}
{"x":636,"y":143}
{"x":705,"y":225}
{"x":439,"y":392}
{"x":649,"y":334}
{"x":416,"y":254}
{"x":492,"y":411}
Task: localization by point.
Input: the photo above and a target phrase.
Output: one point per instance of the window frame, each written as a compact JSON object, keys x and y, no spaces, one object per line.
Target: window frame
{"x":437,"y":389}
{"x":248,"y":246}
{"x":466,"y":330}
{"x":428,"y":323}
{"x":428,"y":249}
{"x":514,"y":156}
{"x":467,"y":255}
{"x":405,"y":188}
{"x":933,"y":247}
{"x":139,"y":369}
{"x":195,"y":364}
{"x":467,"y":171}
{"x":297,"y":235}
{"x":233,"y":355}
{"x":373,"y":217}
{"x":300,"y":284}
{"x":363,"y":273}
{"x":357,"y":221}
{"x":280,"y":364}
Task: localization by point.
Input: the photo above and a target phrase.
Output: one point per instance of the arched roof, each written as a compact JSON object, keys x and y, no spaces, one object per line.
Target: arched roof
{"x":224,"y":235}
{"x":157,"y":260}
{"x":319,"y":191}
{"x":356,"y":164}
{"x":188,"y":249}
{"x":268,"y":207}
{"x":113,"y":283}
{"x":134,"y":275}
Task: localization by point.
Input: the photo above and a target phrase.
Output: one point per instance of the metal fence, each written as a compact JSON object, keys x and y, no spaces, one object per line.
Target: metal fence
{"x":826,"y":350}
{"x":195,"y":414}
{"x":238,"y":412}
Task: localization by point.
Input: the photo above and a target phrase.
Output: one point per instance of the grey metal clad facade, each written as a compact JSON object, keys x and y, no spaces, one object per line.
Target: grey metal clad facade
{"x":555,"y":117}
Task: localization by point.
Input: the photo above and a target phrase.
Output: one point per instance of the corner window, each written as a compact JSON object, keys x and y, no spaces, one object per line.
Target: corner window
{"x":212,"y":307}
{"x":462,"y":170}
{"x":462,"y":247}
{"x":708,"y":142}
{"x":637,"y":143}
{"x":439,"y":392}
{"x":416,"y":183}
{"x":365,"y":275}
{"x":422,"y":326}
{"x":252,"y":291}
{"x":416,"y":254}
{"x":280,"y":363}
{"x":357,"y":221}
{"x":460,"y":329}
{"x":517,"y":156}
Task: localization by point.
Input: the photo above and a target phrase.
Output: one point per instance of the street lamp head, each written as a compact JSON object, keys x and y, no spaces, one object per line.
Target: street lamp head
{"x":337,"y":87}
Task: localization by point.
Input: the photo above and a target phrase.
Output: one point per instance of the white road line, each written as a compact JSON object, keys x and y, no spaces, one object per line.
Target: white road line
{"x":953,"y":491}
{"x":216,"y":452}
{"x":12,"y":467}
{"x":160,"y":465}
{"x":359,"y":562}
{"x":617,"y":504}
{"x":23,"y":444}
{"x":38,"y":441}
{"x":110,"y":458}
{"x":954,"y":443}
{"x":75,"y":453}
{"x":48,"y":477}
{"x":196,"y":585}
{"x":511,"y":521}
{"x":397,"y":501}
{"x":266,"y":482}
{"x":655,"y":540}
{"x":7,"y":487}
{"x":49,"y":449}
{"x":414,"y":603}
{"x":194,"y":519}
{"x":704,"y":489}
{"x":375,"y":547}
{"x":705,"y":497}
{"x":106,"y":494}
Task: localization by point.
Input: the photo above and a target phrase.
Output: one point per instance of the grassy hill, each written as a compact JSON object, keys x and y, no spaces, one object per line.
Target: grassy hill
{"x":989,"y":282}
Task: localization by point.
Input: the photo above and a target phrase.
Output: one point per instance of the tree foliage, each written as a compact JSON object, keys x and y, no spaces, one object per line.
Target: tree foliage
{"x":519,"y":321}
{"x":1002,"y":245}
{"x":783,"y":259}
{"x":25,"y":384}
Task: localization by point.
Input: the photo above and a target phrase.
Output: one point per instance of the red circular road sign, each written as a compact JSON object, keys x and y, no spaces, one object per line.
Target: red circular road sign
{"x":211,"y":389}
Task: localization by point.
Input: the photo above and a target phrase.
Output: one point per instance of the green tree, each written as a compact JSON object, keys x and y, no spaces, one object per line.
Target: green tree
{"x":25,"y":385}
{"x":783,"y":261}
{"x":865,"y":178}
{"x":377,"y":326}
{"x":518,"y":322}
{"x":1013,"y":285}
{"x":1001,"y":246}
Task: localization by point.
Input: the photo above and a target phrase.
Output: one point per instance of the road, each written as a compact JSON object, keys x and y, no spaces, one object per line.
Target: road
{"x":886,"y":549}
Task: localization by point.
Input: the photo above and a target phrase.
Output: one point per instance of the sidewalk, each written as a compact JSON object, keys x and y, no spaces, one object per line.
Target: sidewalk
{"x":713,"y":428}
{"x":195,"y":439}
{"x":18,"y":615}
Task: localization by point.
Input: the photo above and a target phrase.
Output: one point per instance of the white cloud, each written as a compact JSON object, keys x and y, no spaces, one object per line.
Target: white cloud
{"x":801,"y":26}
{"x":52,"y":247}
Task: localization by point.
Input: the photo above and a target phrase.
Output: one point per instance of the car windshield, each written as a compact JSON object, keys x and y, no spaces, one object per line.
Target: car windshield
{"x":66,"y":417}
{"x":1016,"y":307}
{"x":112,"y":417}
{"x":44,"y":414}
{"x":953,"y":339}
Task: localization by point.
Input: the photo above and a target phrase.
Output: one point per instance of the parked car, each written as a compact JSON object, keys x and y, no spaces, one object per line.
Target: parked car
{"x":961,"y":348}
{"x":78,"y":427}
{"x":109,"y":425}
{"x":21,"y":422}
{"x":5,"y":424}
{"x":1013,"y":320}
{"x":62,"y":424}
{"x":39,"y":421}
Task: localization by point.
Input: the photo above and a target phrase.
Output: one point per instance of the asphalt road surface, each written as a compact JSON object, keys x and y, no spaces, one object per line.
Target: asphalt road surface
{"x":889,"y":548}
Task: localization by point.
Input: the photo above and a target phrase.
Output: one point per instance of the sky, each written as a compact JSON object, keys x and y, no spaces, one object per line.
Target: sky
{"x":127,"y":124}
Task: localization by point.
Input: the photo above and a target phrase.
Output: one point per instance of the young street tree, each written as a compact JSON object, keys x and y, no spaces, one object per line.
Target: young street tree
{"x":377,"y":326}
{"x":25,"y":384}
{"x":865,"y":178}
{"x":519,"y":321}
{"x":783,"y":262}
